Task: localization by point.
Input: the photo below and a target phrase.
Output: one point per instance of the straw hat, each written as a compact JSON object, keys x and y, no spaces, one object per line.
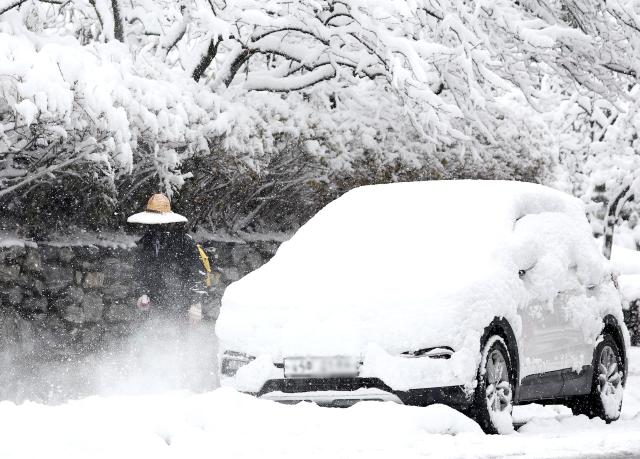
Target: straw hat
{"x":159,"y":203}
{"x":157,"y":212}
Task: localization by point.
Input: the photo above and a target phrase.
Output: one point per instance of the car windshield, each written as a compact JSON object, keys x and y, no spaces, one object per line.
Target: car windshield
{"x":384,"y":227}
{"x":407,"y":237}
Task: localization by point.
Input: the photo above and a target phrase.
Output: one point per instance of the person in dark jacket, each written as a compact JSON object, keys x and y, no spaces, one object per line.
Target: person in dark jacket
{"x":168,"y":266}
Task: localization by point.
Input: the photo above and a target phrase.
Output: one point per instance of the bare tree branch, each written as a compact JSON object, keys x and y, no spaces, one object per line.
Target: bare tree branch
{"x":290,"y":29}
{"x":35,"y":176}
{"x":237,"y":64}
{"x":206,"y":60}
{"x":291,"y":83}
{"x":621,"y":70}
{"x":95,"y":7}
{"x":12,"y":5}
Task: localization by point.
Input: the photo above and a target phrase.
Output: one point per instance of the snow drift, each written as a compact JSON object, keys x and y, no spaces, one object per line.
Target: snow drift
{"x":226,"y":424}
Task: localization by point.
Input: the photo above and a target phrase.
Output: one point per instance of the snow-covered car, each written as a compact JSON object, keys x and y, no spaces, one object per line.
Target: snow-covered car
{"x":476,"y":294}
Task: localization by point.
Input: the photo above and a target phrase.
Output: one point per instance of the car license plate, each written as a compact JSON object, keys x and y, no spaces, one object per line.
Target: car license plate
{"x":321,"y":367}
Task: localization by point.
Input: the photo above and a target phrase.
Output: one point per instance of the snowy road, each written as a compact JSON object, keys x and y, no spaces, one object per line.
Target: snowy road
{"x":225,"y":424}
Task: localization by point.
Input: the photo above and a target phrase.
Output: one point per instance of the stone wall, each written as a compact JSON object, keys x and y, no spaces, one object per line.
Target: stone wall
{"x":57,"y":300}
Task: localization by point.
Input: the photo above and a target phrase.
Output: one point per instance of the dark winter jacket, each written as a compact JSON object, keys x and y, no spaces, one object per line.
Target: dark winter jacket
{"x":169,"y":270}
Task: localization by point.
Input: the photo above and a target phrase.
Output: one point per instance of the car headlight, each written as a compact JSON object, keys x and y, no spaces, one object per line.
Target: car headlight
{"x":432,"y":352}
{"x":233,"y":361}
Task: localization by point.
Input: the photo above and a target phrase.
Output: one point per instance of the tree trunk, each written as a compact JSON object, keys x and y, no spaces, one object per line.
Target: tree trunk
{"x":610,"y":219}
{"x":118,"y":27}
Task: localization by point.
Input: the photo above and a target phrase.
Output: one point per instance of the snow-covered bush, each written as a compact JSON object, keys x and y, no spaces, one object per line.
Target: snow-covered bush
{"x":75,"y":119}
{"x":599,"y":156}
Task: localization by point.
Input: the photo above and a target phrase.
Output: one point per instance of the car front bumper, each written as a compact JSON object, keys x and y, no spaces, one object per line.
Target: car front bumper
{"x":343,"y":392}
{"x":333,"y":397}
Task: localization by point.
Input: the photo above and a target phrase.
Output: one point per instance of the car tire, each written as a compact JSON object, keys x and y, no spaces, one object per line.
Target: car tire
{"x":493,"y":398}
{"x":605,"y":399}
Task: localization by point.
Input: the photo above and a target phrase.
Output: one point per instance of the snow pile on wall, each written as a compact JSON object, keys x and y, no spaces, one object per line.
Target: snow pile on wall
{"x":629,"y":288}
{"x":626,"y":262}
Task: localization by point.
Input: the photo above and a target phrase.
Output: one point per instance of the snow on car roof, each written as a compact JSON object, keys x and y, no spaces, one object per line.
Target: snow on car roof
{"x":435,"y":215}
{"x":382,"y":257}
{"x":410,"y":232}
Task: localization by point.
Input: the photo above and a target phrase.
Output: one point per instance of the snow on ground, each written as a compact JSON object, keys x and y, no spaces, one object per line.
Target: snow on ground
{"x":158,"y":358}
{"x":223,"y":423}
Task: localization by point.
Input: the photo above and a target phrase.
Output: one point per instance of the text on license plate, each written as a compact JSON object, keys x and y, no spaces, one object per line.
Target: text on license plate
{"x":336,"y":366}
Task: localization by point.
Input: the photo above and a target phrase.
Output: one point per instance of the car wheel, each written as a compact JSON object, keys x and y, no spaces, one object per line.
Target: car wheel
{"x":605,"y":399}
{"x":493,"y":400}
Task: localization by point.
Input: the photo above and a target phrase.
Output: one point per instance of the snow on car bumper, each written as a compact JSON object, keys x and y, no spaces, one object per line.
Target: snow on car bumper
{"x":392,"y":374}
{"x":333,"y":397}
{"x":348,"y":391}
